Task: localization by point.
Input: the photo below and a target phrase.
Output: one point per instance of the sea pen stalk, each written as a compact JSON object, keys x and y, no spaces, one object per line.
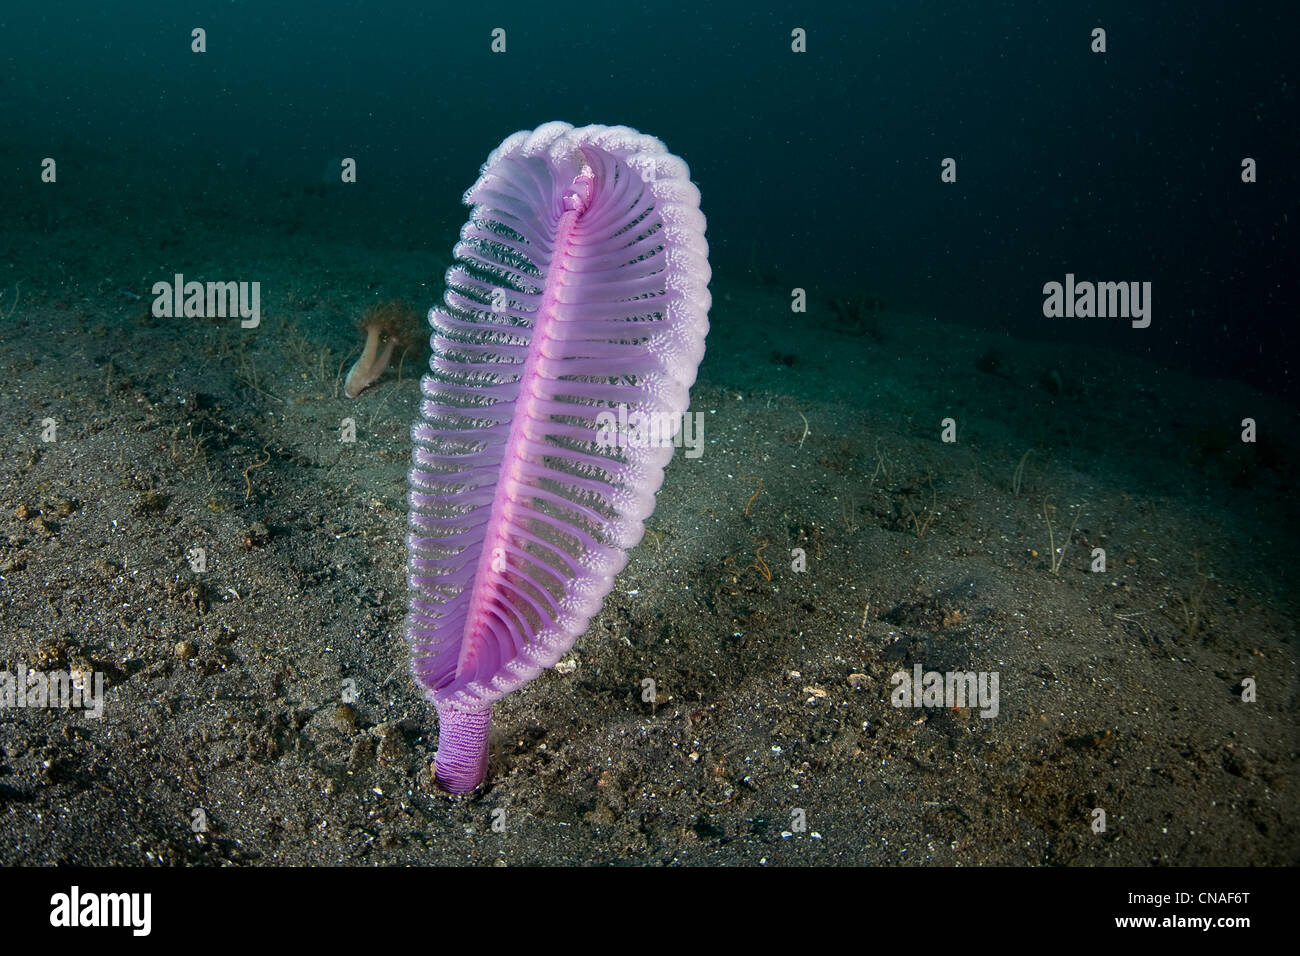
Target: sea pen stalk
{"x":462,"y":757}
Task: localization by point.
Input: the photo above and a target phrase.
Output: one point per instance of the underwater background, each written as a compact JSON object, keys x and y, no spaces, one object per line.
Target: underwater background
{"x":824,"y":165}
{"x":888,"y":188}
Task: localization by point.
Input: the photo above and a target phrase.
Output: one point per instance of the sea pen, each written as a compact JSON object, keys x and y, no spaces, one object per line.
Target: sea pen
{"x":580,"y":288}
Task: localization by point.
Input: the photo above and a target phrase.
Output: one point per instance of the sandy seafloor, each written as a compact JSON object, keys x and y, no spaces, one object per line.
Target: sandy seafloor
{"x":1119,"y":690}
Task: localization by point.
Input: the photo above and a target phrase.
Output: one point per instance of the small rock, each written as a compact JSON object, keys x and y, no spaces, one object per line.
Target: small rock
{"x":392,"y":746}
{"x":345,"y":719}
{"x":363,"y":749}
{"x":256,"y":535}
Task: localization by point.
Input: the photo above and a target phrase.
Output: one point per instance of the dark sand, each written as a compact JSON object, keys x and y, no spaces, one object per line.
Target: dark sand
{"x":225,"y":689}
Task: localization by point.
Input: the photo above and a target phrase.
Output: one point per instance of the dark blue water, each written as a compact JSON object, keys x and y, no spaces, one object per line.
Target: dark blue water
{"x":821,"y":168}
